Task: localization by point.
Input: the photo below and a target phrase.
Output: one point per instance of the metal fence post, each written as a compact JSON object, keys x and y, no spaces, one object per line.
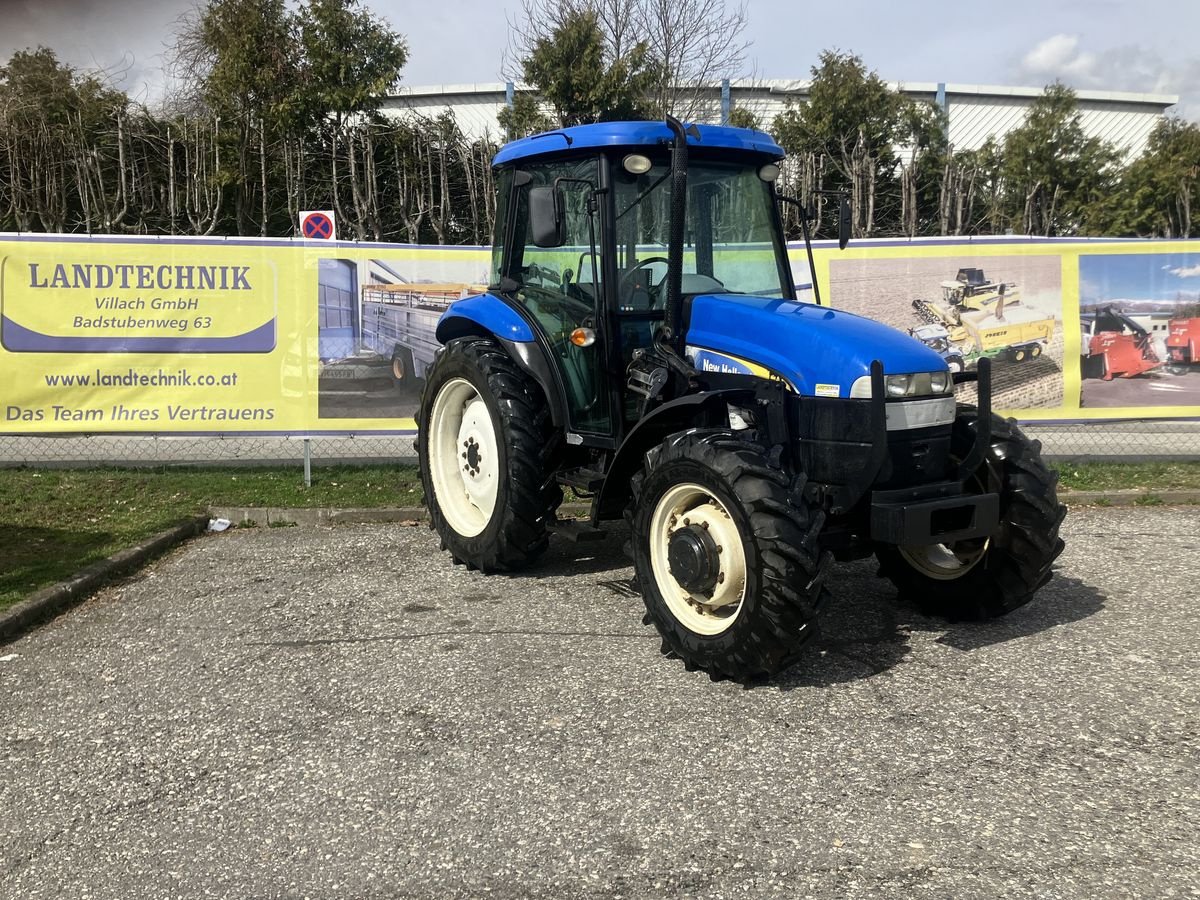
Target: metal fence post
{"x":307,"y":463}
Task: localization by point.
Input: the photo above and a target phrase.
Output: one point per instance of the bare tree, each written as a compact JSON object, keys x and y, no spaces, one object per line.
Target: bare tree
{"x":694,"y":43}
{"x":698,"y":43}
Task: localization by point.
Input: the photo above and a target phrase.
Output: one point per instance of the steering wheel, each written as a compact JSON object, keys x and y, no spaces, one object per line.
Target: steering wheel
{"x":650,"y":260}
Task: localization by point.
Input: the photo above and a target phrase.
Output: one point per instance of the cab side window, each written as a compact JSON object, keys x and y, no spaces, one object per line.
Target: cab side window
{"x":560,"y":286}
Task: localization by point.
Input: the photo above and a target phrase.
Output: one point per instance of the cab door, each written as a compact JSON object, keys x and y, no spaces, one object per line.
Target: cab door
{"x":562,"y":287}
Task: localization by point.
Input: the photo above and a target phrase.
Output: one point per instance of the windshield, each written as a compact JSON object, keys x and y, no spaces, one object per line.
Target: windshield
{"x":730,"y":241}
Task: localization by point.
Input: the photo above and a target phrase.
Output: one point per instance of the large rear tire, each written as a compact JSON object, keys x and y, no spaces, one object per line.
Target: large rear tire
{"x":486,"y":447}
{"x":711,"y":509}
{"x":984,"y":578}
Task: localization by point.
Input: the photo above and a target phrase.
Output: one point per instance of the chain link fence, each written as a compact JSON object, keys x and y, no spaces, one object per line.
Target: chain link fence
{"x":207,"y":450}
{"x":1125,"y":440}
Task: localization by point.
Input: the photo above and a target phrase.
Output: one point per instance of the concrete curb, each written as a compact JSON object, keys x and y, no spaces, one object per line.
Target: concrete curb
{"x":278,"y":517}
{"x":1129,"y":498}
{"x":50,"y":601}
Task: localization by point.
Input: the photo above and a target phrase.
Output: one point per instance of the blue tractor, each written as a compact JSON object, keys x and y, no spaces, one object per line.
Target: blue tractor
{"x":641,"y":344}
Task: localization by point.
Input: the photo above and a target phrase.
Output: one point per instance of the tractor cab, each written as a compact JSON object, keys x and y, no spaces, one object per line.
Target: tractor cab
{"x":582,"y":247}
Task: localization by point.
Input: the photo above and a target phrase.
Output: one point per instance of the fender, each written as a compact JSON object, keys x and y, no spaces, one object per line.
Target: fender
{"x":490,"y":315}
{"x":708,"y":409}
{"x":487,"y":311}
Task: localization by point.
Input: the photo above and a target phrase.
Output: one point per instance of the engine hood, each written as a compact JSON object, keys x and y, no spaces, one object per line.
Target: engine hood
{"x":821,"y":351}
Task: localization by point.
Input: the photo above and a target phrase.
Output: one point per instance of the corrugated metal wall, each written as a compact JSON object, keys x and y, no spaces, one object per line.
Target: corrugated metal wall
{"x":975,"y":111}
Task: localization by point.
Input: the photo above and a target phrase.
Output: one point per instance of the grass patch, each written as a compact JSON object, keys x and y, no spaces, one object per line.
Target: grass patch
{"x":1097,"y":476}
{"x":53,"y":522}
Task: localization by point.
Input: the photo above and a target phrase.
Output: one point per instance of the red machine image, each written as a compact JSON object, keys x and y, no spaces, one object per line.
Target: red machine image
{"x":1182,"y":342}
{"x":1117,"y":346}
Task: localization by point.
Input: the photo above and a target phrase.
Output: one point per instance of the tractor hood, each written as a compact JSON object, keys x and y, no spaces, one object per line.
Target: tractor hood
{"x":821,"y":351}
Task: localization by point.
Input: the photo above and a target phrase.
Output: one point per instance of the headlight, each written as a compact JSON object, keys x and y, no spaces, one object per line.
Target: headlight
{"x":919,"y":384}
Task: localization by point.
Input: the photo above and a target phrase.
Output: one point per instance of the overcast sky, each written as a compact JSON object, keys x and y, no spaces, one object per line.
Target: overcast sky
{"x":1102,"y":44}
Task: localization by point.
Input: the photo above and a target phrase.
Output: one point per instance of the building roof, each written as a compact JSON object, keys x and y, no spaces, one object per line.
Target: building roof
{"x":800,"y":87}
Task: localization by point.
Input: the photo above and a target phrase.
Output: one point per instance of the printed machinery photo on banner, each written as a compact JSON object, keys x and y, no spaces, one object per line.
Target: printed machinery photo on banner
{"x":1076,"y":330}
{"x":240,"y":336}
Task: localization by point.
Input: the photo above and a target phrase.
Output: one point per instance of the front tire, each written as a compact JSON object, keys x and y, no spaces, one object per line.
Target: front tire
{"x":725,"y":550}
{"x":486,"y":448}
{"x":984,"y":578}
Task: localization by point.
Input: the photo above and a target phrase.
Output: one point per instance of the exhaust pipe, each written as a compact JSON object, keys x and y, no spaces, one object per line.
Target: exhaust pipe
{"x":679,"y":163}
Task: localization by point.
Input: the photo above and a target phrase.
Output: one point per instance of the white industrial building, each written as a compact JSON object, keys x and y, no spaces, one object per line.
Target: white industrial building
{"x":975,"y":111}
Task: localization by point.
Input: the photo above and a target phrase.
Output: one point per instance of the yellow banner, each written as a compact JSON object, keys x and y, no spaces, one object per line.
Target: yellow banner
{"x":178,"y":336}
{"x":1075,"y":329}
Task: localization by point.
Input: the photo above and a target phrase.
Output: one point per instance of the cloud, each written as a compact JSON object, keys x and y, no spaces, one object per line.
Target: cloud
{"x":1060,"y":55}
{"x":1126,"y":67}
{"x":121,"y":40}
{"x":1186,"y":271}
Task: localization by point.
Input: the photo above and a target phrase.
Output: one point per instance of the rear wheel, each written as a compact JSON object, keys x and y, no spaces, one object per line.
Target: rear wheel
{"x":987,"y":577}
{"x":725,"y":549}
{"x":486,"y":446}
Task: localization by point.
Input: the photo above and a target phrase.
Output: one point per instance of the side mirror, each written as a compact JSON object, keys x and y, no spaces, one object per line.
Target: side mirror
{"x":546,"y":220}
{"x":844,"y":222}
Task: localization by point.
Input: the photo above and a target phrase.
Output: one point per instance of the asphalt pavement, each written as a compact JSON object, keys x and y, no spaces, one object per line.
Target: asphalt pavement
{"x":343,"y":713}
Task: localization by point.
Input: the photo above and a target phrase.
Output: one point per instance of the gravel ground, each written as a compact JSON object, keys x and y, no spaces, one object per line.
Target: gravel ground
{"x":310,"y":712}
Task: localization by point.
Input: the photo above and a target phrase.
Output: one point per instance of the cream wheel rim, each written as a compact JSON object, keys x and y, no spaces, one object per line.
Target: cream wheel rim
{"x":463,"y":457}
{"x":945,"y":562}
{"x":690,"y":505}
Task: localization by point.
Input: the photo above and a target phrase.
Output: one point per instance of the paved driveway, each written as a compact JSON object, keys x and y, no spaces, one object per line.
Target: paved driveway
{"x":305,"y":712}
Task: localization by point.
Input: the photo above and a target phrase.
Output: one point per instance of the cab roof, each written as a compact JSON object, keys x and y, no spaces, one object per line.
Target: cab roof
{"x":633,"y":136}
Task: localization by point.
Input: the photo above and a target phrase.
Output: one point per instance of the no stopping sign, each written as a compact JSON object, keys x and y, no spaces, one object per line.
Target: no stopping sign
{"x":318,"y":225}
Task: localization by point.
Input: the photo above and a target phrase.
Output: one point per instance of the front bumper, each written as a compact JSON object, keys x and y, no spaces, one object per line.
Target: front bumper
{"x":938,"y":513}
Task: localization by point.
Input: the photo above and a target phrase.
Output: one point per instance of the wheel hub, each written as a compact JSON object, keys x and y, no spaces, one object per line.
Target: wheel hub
{"x":693,"y":559}
{"x":472,"y":456}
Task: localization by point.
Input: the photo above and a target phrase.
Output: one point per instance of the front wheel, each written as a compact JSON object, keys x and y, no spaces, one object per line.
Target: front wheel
{"x":486,"y":447}
{"x":725,"y":549}
{"x":987,"y":577}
